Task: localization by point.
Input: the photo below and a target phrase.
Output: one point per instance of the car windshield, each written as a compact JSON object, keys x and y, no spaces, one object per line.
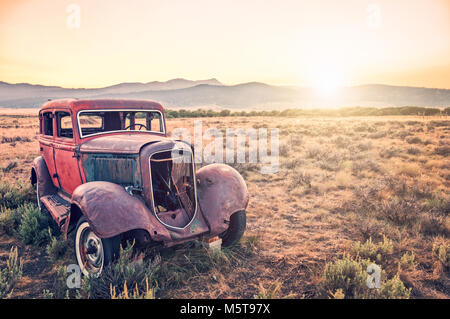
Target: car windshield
{"x":105,"y":121}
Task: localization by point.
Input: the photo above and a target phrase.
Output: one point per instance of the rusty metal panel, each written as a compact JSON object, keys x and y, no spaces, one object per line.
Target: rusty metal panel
{"x":123,"y":142}
{"x":111,"y":211}
{"x":120,"y":169}
{"x":44,"y":180}
{"x":221,"y":192}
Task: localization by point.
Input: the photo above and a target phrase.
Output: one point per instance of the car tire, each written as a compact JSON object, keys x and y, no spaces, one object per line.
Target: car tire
{"x":235,"y":229}
{"x":92,"y":252}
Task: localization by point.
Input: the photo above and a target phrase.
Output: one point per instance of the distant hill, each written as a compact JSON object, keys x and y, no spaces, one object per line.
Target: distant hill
{"x":254,"y":95}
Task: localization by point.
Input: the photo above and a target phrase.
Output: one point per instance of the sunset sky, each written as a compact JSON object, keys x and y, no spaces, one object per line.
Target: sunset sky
{"x":323,"y":43}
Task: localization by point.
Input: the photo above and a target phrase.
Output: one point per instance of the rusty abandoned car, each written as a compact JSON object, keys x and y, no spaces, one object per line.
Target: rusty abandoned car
{"x":109,"y":172}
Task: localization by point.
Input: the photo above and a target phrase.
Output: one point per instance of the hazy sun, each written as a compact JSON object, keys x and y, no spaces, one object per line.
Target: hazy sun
{"x":326,"y":80}
{"x":327,"y":85}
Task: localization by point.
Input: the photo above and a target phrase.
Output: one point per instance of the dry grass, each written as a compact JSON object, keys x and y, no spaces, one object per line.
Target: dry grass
{"x":341,"y":181}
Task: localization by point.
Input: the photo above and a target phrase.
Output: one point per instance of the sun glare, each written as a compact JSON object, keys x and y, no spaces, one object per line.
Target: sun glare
{"x":327,"y":83}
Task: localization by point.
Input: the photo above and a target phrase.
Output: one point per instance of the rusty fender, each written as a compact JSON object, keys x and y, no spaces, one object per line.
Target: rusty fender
{"x":110,"y":211}
{"x":221,"y":192}
{"x":42,"y":177}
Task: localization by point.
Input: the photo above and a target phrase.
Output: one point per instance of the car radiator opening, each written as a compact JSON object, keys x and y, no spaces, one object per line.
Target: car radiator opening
{"x":173,"y":188}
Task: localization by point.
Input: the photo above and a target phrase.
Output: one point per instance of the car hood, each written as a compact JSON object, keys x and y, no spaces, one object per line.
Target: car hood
{"x":130,"y":143}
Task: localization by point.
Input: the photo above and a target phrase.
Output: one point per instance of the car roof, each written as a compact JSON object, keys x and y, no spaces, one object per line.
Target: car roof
{"x":93,"y":104}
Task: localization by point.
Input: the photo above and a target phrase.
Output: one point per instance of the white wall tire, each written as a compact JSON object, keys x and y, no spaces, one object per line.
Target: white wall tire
{"x":94,"y":253}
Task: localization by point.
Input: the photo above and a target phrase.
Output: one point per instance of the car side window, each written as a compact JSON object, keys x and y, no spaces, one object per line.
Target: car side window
{"x":48,"y":123}
{"x":64,"y":122}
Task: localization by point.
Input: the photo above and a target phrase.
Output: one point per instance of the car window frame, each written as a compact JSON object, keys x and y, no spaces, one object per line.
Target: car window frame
{"x":162,"y":122}
{"x":57,"y":120}
{"x":52,"y":121}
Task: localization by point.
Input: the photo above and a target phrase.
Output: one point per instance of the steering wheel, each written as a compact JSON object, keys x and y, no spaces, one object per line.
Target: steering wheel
{"x":140,"y":126}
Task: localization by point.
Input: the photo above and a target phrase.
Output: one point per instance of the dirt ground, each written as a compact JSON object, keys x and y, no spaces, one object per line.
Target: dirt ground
{"x":340,"y":181}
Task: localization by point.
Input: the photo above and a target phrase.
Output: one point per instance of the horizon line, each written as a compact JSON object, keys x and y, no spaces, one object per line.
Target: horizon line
{"x":222,"y":84}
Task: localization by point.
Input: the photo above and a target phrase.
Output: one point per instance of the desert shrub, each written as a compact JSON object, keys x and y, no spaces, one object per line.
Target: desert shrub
{"x":12,"y":196}
{"x":331,"y":162}
{"x":413,"y":151}
{"x":10,"y":166}
{"x":377,"y":135}
{"x":180,"y":266}
{"x":408,"y":260}
{"x":395,"y":289}
{"x":314,"y":151}
{"x":300,"y":178}
{"x":342,"y":142}
{"x":402,"y":134}
{"x":177,"y":269}
{"x":10,"y":275}
{"x":389,"y":152}
{"x":13,"y":139}
{"x":117,"y":277}
{"x":57,"y":248}
{"x":9,"y":220}
{"x":441,"y":252}
{"x":293,"y":163}
{"x":364,"y":146}
{"x":413,"y":140}
{"x":372,"y":251}
{"x":295,"y":140}
{"x":410,"y":169}
{"x":35,"y":227}
{"x":403,"y":212}
{"x":431,"y":224}
{"x":47,"y":294}
{"x":149,"y":293}
{"x":271,"y":292}
{"x":348,"y":276}
{"x":285,"y":149}
{"x":442,"y":150}
{"x":439,"y":123}
{"x":366,"y":164}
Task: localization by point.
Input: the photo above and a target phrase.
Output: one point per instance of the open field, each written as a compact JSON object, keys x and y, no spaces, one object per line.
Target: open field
{"x":350,"y":191}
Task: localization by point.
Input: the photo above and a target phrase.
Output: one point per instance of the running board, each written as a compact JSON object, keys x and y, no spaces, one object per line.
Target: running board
{"x":57,"y":206}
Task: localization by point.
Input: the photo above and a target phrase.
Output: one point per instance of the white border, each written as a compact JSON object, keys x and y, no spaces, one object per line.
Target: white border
{"x":119,"y":110}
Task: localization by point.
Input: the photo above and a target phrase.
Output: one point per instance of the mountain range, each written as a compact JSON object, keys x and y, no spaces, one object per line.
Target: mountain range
{"x":182,"y":93}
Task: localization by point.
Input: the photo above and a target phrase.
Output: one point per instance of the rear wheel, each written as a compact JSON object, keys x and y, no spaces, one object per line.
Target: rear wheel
{"x":235,"y":229}
{"x":94,"y":253}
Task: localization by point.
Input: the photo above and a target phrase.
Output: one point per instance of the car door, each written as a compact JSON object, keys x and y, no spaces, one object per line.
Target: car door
{"x":66,"y":160}
{"x":46,"y":141}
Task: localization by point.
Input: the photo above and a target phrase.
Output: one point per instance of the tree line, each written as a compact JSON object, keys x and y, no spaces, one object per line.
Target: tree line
{"x":345,"y":111}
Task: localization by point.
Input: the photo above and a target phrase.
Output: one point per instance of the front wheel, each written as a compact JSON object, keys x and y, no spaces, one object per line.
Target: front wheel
{"x":235,"y":229}
{"x":94,"y":253}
